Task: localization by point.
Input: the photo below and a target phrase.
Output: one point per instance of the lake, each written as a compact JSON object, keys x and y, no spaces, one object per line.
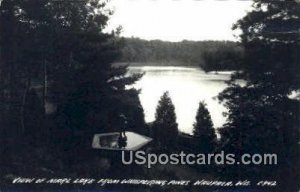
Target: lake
{"x":187,"y":87}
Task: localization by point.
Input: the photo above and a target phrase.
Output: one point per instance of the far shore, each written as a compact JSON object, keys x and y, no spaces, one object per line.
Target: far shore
{"x":157,"y":64}
{"x":169,"y":64}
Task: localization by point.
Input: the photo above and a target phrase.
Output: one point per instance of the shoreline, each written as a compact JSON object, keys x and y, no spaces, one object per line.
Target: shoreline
{"x":153,"y":64}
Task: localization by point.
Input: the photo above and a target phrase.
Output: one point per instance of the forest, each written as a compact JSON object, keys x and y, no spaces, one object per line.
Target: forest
{"x":59,"y":86}
{"x":209,"y":55}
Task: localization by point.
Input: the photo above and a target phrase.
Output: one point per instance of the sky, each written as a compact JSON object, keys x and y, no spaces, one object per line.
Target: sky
{"x":177,"y":20}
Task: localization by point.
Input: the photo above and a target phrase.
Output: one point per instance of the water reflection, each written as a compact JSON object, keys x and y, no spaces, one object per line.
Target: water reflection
{"x":187,"y":87}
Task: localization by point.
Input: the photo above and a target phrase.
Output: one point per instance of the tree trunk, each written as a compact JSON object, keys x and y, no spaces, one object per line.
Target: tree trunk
{"x":27,"y":88}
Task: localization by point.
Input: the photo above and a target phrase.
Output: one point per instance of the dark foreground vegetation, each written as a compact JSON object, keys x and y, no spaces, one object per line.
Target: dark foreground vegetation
{"x":58,"y":87}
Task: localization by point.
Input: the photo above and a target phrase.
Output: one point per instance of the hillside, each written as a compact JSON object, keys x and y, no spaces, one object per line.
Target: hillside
{"x":209,"y":55}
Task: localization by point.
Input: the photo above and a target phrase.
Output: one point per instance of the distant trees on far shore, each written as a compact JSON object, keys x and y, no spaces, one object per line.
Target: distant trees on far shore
{"x":209,"y":55}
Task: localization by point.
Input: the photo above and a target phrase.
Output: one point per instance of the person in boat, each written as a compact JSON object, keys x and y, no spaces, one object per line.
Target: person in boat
{"x":123,"y":125}
{"x":122,"y":141}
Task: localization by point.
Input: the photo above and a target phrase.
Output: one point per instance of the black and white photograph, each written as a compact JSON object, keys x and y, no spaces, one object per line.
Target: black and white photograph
{"x":150,"y":95}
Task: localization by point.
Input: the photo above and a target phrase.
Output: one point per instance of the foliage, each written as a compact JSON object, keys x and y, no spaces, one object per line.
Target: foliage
{"x":209,"y":55}
{"x":90,"y":92}
{"x":61,"y":43}
{"x":165,"y":125}
{"x":21,"y":52}
{"x":262,"y":116}
{"x":203,"y":130}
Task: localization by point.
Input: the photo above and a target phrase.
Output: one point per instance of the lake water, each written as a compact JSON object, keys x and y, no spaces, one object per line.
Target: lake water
{"x":187,"y":87}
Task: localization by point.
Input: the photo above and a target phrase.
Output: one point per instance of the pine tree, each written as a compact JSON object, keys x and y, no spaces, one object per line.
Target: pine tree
{"x":203,"y":130}
{"x":90,"y":91}
{"x":262,"y":118}
{"x":165,"y":125}
{"x":65,"y":39}
{"x":22,"y":53}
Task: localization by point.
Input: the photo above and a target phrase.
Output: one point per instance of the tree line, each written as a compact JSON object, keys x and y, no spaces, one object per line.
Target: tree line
{"x":209,"y":55}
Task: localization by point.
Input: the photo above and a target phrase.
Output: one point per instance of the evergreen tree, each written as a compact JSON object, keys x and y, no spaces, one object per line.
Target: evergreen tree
{"x":22,"y":54}
{"x":91,"y":93}
{"x":262,"y":118}
{"x":203,"y":130}
{"x":165,"y":125}
{"x":64,"y":39}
